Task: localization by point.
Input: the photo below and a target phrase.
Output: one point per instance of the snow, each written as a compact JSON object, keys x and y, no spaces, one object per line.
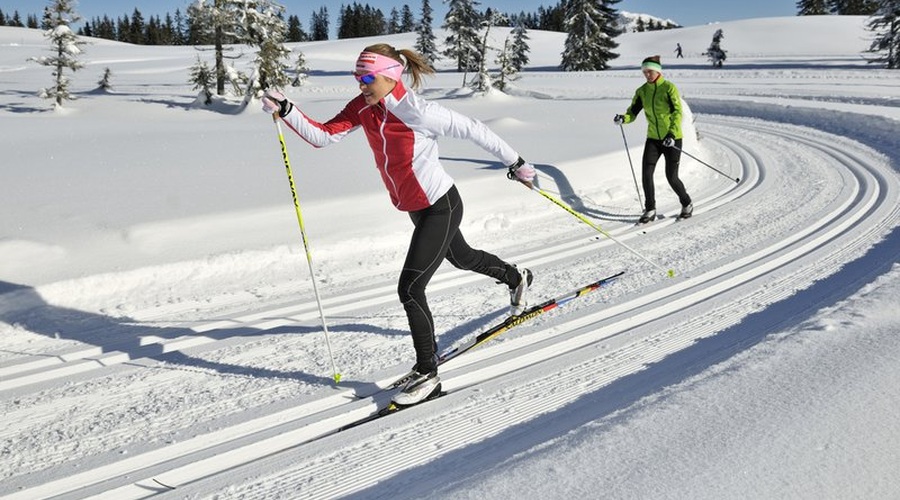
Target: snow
{"x":158,"y":327}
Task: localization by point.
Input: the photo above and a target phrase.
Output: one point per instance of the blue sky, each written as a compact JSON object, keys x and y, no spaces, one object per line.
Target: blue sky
{"x":684,"y":12}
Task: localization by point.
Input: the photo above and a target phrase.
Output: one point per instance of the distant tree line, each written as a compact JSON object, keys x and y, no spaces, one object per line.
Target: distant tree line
{"x":15,"y":20}
{"x":354,"y":21}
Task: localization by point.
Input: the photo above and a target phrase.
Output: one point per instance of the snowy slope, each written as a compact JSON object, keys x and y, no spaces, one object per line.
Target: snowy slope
{"x":159,"y":329}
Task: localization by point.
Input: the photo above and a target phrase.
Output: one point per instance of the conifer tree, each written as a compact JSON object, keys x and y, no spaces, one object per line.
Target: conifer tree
{"x":202,"y":78}
{"x":319,"y":25}
{"x":714,"y":52}
{"x":393,"y":24}
{"x":425,"y":39}
{"x":253,"y":22}
{"x":407,"y":20}
{"x":295,"y":30}
{"x":504,"y":61}
{"x":483,"y":82}
{"x":267,"y":31}
{"x":104,"y":84}
{"x":301,"y":70}
{"x":462,"y":42}
{"x":65,"y":47}
{"x":853,"y":7}
{"x":519,"y":48}
{"x":812,"y":7}
{"x":885,"y":24}
{"x":591,"y":27}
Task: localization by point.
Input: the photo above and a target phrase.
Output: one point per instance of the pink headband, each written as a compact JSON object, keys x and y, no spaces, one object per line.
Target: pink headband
{"x":370,"y":62}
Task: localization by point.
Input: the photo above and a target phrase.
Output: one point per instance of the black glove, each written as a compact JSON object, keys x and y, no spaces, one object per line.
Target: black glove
{"x":278,"y":99}
{"x":619,"y":119}
{"x":669,"y":141}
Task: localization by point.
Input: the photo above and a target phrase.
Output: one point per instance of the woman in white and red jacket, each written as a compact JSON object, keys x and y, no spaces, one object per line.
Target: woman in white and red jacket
{"x":402,"y":129}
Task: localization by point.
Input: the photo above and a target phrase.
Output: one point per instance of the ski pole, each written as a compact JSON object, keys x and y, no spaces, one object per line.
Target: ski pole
{"x":633,"y":175}
{"x":290,"y":174}
{"x":735,"y":179}
{"x":670,"y":272}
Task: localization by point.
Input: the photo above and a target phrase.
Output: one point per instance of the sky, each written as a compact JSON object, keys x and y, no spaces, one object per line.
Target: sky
{"x":685,"y":12}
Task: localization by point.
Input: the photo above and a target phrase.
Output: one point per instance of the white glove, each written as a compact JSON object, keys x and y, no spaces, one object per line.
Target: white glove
{"x":275,"y":102}
{"x":521,"y":171}
{"x":668,"y":142}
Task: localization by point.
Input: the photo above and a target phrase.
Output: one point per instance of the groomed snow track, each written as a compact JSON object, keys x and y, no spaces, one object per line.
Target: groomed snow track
{"x":577,"y":361}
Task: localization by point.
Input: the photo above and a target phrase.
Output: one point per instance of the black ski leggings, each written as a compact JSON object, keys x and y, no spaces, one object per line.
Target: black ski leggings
{"x":653,"y":149}
{"x":435,"y":238}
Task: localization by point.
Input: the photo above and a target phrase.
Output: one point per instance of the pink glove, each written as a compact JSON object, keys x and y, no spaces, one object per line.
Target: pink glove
{"x":525,"y":173}
{"x":521,"y":171}
{"x":275,"y":102}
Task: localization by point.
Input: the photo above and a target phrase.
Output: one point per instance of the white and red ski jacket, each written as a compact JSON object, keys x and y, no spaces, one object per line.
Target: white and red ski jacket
{"x":402,"y":131}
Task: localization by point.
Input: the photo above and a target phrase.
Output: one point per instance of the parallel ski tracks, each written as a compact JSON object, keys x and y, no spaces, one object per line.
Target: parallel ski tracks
{"x":514,"y":381}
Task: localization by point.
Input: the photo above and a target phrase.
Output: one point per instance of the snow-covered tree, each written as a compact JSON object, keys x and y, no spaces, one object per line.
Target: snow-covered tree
{"x":253,"y":22}
{"x":519,"y":48}
{"x":504,"y":61}
{"x":301,"y":70}
{"x":104,"y":84}
{"x":462,"y":42}
{"x":853,"y":7}
{"x":483,"y":82}
{"x":513,"y":57}
{"x":202,"y":77}
{"x":267,"y":31}
{"x":714,"y":52}
{"x":812,"y":7}
{"x":885,"y":23}
{"x":65,"y":47}
{"x":591,"y":27}
{"x":425,"y":39}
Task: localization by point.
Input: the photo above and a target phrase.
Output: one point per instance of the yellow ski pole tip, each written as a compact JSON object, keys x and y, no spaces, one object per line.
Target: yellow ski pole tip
{"x":337,"y":378}
{"x":671,"y":273}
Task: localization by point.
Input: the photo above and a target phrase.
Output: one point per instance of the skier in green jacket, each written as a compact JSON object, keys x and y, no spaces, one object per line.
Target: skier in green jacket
{"x":661,"y":103}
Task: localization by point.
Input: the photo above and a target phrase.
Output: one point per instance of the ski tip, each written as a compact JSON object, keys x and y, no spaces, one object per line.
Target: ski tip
{"x":164,"y":485}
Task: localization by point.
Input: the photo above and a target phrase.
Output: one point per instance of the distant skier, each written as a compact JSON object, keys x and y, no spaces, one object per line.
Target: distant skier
{"x":661,"y":103}
{"x":402,"y":130}
{"x":678,"y":53}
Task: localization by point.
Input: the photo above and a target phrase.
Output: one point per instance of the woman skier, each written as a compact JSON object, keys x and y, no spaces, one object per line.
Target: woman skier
{"x":402,"y":129}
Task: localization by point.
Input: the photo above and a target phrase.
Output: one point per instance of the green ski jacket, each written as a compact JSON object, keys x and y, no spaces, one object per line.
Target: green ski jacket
{"x":662,"y":107}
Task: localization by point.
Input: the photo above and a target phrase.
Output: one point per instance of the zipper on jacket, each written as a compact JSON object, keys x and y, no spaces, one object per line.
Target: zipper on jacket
{"x":384,"y":151}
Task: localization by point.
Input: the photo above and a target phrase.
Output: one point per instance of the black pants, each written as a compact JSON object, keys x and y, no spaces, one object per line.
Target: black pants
{"x":435,"y":238}
{"x":653,"y":149}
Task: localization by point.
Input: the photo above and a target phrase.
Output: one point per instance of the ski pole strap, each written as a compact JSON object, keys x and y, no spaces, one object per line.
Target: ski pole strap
{"x":511,"y":173}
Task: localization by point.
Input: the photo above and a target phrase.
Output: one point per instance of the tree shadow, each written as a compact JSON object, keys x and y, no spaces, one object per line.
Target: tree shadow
{"x":23,"y":306}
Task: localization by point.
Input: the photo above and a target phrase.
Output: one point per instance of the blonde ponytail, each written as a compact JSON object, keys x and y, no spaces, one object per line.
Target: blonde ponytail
{"x":415,"y":63}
